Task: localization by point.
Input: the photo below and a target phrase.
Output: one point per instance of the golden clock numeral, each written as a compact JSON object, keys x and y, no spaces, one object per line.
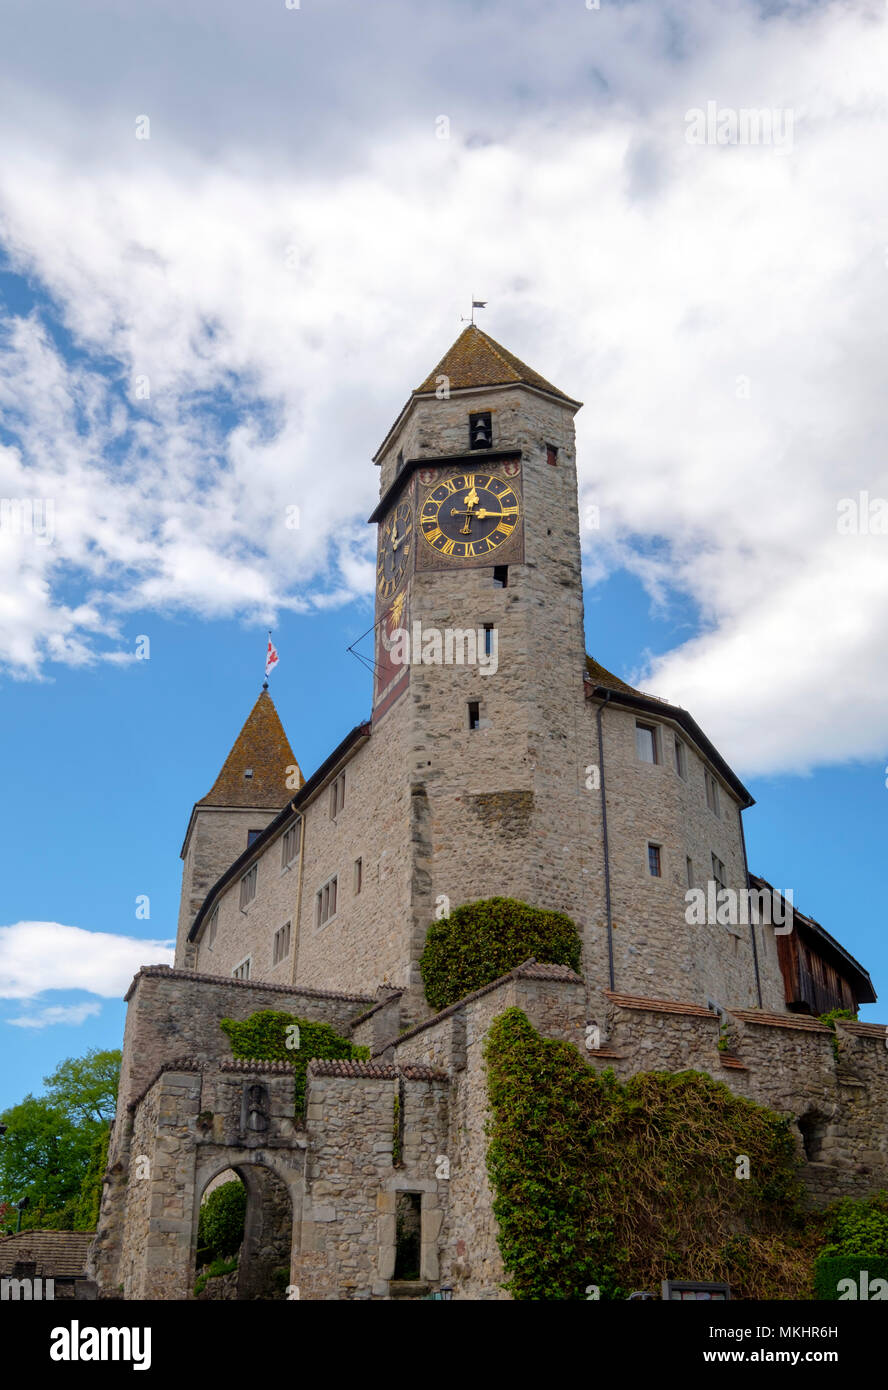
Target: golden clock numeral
{"x":433,"y":535}
{"x":510,"y":511}
{"x":447,"y":548}
{"x":470,"y":548}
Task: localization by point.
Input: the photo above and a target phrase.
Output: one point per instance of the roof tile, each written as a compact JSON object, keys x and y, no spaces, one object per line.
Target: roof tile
{"x":476,"y":360}
{"x":263,"y":748}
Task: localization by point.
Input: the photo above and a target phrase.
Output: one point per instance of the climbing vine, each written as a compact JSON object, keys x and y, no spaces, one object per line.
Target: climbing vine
{"x":614,"y":1186}
{"x":272,"y":1035}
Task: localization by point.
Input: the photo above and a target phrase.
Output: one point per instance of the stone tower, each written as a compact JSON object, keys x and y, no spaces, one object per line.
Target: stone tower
{"x":479,"y":565}
{"x":257,"y":779}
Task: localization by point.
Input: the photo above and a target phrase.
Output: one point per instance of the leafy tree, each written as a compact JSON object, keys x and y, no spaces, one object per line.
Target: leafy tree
{"x":55,"y":1146}
{"x":43,"y":1156}
{"x":85,"y":1088}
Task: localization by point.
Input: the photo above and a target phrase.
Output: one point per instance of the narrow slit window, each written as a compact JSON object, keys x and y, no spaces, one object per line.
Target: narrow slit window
{"x":654,"y":865}
{"x":712,"y":797}
{"x":474,"y":714}
{"x":552,"y":454}
{"x":501,"y":576}
{"x":681,"y":759}
{"x":718,"y":872}
{"x":281,"y":944}
{"x":359,"y":875}
{"x":488,"y":639}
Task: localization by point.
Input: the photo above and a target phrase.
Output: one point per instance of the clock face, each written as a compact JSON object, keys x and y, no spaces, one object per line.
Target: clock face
{"x":395,"y":548}
{"x":469,"y":515}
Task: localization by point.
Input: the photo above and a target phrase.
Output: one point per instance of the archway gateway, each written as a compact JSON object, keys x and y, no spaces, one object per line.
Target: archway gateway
{"x":270,"y":1227}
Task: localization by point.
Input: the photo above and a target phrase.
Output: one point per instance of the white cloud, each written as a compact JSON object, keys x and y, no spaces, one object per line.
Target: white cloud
{"x":71,"y":1014}
{"x":641,"y":273}
{"x":39,"y":956}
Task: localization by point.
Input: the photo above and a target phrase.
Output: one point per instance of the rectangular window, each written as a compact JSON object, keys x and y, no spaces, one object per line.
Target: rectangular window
{"x":646,"y":743}
{"x":252,"y":835}
{"x":718,"y":873}
{"x":690,"y":867}
{"x":242,"y":971}
{"x":681,"y":758}
{"x":474,"y":714}
{"x":712,"y":800}
{"x":337,"y":796}
{"x":281,"y":944}
{"x":480,"y":430}
{"x":359,"y":875}
{"x":488,"y":639}
{"x":501,"y":576}
{"x":552,"y":454}
{"x":211,"y":928}
{"x":290,"y":844}
{"x":248,"y":886}
{"x":654,"y":861}
{"x":325,"y":902}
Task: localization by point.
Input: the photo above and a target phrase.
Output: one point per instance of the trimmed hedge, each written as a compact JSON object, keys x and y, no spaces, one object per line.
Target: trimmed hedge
{"x":264,"y":1036}
{"x":482,"y":940}
{"x":862,"y":1270}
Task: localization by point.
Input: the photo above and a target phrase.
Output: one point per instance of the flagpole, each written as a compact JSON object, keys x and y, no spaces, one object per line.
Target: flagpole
{"x":265,"y":682}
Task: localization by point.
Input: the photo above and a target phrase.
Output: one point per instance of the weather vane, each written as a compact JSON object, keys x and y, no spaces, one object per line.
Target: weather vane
{"x":476,"y":304}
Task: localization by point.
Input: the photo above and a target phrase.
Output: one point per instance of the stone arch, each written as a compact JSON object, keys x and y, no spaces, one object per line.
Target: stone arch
{"x":274,"y":1184}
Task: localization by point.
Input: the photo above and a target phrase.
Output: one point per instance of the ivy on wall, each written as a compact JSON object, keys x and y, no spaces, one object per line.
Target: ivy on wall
{"x":272,"y":1035}
{"x":601,"y":1184}
{"x":482,"y":940}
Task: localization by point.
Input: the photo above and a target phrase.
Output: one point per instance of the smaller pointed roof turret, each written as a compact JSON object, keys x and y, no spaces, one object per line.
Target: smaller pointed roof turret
{"x":255,"y":772}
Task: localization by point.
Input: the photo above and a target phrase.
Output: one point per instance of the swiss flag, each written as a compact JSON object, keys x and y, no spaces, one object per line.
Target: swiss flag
{"x":271,"y":656}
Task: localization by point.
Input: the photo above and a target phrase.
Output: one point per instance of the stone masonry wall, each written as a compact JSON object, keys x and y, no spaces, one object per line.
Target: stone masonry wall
{"x":347,"y":1247}
{"x":176,"y":1014}
{"x":470,"y":1259}
{"x":217,"y":836}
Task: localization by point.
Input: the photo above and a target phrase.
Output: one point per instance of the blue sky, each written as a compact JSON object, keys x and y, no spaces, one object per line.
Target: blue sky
{"x":205,"y":329}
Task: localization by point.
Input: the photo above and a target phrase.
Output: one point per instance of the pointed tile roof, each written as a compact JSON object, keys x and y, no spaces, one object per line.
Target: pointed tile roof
{"x":476,"y":360}
{"x":601,"y":676}
{"x":263,"y":748}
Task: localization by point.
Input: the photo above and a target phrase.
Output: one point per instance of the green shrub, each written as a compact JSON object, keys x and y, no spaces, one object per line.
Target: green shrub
{"x":623,"y":1184}
{"x":482,"y":940}
{"x":264,"y":1035}
{"x":858,"y":1227}
{"x":220,"y":1224}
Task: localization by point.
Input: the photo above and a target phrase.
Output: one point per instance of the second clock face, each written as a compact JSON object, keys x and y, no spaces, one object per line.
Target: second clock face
{"x":469,"y":515}
{"x":395,"y":545}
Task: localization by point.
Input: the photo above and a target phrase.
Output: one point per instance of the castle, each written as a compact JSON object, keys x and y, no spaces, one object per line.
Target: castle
{"x":498,"y":759}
